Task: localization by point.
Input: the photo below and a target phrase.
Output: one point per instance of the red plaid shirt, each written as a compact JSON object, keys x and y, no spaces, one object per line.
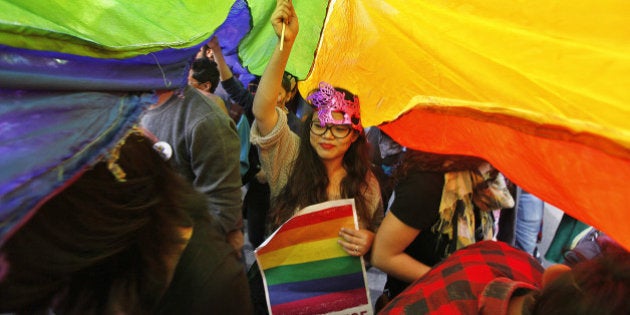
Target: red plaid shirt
{"x":478,"y":279}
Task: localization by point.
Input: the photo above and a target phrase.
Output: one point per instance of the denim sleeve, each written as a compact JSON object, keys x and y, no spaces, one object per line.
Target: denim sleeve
{"x":243,"y":133}
{"x":239,"y":94}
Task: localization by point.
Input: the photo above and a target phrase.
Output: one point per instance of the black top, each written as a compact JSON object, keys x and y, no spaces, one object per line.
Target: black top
{"x":417,"y":204}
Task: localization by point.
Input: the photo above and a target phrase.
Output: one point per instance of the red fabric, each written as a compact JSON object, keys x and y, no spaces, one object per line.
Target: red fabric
{"x":478,"y":279}
{"x":583,"y":180}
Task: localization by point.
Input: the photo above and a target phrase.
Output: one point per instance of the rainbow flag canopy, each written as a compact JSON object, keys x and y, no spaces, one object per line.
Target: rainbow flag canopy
{"x":306,"y":271}
{"x":538,"y":88}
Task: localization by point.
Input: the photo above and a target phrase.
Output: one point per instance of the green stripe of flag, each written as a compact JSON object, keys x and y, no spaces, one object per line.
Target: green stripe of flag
{"x":313,"y":270}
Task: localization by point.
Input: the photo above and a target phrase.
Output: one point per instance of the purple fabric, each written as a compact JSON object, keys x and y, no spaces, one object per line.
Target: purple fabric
{"x":237,"y":24}
{"x":30,"y":69}
{"x":47,"y":138}
{"x":59,"y":113}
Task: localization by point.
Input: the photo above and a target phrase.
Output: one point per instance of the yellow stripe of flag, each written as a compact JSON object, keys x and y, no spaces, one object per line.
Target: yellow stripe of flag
{"x":302,"y":253}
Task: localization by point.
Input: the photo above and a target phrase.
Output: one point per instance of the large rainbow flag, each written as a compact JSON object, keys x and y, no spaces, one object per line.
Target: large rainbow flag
{"x":306,"y":271}
{"x":538,"y":88}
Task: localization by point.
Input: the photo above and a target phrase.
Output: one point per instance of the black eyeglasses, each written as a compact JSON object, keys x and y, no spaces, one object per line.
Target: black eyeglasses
{"x":338,"y":131}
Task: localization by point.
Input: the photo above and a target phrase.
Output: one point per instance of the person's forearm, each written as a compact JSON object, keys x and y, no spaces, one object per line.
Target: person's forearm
{"x":402,"y":267}
{"x":224,"y":71}
{"x":241,"y":96}
{"x":269,"y":87}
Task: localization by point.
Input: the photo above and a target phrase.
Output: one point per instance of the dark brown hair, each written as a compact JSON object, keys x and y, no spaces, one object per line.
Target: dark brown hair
{"x":415,"y":160}
{"x":100,"y":245}
{"x":600,"y":285}
{"x":206,"y":70}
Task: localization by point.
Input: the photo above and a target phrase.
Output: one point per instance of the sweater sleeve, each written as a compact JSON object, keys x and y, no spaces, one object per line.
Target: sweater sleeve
{"x":277,"y":151}
{"x":243,"y":134}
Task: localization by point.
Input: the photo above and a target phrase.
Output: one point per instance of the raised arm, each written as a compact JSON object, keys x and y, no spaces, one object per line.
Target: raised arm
{"x":224,"y":70}
{"x":269,"y":86}
{"x":237,"y":92}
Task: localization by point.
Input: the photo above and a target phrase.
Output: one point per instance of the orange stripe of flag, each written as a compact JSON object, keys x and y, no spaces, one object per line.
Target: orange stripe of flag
{"x":319,"y":231}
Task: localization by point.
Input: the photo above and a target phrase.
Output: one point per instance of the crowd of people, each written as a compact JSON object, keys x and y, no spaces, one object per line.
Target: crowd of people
{"x":157,"y":227}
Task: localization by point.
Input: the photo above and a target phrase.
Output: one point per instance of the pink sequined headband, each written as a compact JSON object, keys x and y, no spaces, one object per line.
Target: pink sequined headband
{"x":328,"y":100}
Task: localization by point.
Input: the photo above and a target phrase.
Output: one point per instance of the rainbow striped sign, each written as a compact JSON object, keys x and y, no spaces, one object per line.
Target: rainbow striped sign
{"x":306,"y":271}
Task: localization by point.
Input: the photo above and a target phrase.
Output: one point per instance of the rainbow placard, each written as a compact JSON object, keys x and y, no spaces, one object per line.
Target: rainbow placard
{"x":305,"y":270}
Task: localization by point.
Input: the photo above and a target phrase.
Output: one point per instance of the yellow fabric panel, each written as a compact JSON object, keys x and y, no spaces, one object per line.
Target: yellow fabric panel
{"x":539,"y":88}
{"x":562,"y":63}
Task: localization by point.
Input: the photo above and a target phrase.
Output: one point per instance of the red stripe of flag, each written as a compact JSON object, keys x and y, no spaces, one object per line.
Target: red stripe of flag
{"x":324,"y":303}
{"x":317,"y":217}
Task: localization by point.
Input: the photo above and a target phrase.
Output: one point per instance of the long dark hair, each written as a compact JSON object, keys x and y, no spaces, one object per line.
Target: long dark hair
{"x":415,"y":160}
{"x":308,"y":179}
{"x":100,"y":245}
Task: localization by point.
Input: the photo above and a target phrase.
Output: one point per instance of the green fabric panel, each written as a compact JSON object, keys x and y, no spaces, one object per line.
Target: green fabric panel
{"x":109,"y":28}
{"x":256,"y":48}
{"x":313,"y":270}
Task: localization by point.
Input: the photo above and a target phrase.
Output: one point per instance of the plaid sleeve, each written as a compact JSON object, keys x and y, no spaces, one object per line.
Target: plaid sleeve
{"x":456,"y":285}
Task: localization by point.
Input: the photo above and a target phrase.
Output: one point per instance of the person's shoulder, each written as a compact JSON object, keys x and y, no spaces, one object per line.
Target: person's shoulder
{"x":193,"y":95}
{"x":217,"y":99}
{"x":204,"y":104}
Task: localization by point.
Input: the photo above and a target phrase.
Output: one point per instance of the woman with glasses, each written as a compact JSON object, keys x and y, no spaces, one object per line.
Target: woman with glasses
{"x":327,"y":161}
